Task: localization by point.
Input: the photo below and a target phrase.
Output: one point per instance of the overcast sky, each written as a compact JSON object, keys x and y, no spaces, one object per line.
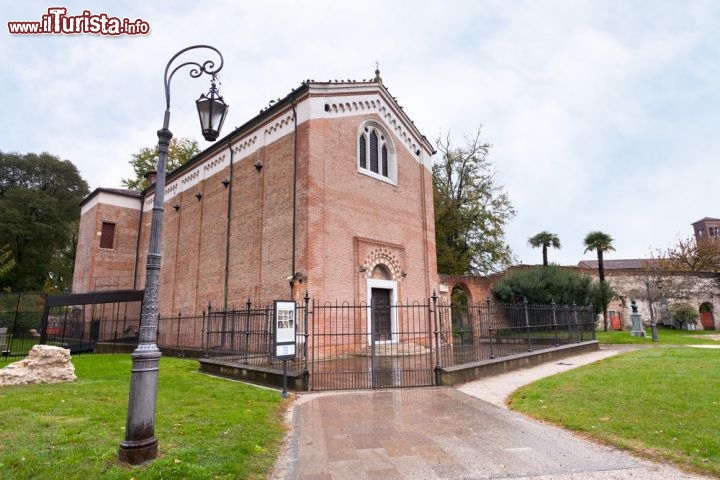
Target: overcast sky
{"x":603,"y":115}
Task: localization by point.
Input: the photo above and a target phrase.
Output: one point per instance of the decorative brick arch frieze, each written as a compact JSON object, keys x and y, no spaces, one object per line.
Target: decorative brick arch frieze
{"x":386,"y":257}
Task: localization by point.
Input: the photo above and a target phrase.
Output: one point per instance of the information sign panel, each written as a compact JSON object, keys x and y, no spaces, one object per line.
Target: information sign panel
{"x":284,"y":326}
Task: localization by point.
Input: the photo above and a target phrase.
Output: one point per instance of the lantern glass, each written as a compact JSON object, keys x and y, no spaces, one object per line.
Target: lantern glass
{"x":212,"y":111}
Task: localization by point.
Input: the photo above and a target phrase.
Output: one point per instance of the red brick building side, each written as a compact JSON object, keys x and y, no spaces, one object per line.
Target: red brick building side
{"x":228,"y":231}
{"x":107,"y":268}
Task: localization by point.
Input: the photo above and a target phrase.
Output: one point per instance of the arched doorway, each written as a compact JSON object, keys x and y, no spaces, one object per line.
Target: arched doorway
{"x":707,"y":319}
{"x":460,"y":313}
{"x":382,"y":293}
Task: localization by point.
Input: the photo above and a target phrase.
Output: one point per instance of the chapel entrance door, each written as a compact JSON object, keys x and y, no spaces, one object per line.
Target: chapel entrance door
{"x":381,"y":317}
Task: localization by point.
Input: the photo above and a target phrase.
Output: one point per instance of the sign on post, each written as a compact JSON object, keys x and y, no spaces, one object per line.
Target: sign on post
{"x":284,"y":326}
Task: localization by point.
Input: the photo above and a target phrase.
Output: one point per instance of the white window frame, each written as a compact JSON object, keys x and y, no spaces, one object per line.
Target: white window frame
{"x":388,"y":285}
{"x":392,"y":152}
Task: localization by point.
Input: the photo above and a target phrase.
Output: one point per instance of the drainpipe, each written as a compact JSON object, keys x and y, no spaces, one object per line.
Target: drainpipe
{"x":228,"y":229}
{"x":137,"y":245}
{"x":294,"y":198}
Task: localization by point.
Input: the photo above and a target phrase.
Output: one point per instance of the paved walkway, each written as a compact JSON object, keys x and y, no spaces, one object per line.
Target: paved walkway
{"x":446,"y":433}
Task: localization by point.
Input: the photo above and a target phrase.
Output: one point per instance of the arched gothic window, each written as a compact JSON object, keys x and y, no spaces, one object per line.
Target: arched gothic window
{"x":376,"y":154}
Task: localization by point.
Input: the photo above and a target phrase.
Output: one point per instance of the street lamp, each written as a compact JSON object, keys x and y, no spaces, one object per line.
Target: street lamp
{"x":140,"y":444}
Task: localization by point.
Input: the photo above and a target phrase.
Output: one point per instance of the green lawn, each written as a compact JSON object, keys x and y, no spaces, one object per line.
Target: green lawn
{"x":208,"y":428}
{"x":665,"y":337}
{"x":660,"y":403}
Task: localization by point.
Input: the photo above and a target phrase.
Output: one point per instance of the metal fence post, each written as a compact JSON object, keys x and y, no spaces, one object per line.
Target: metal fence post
{"x":490,"y":328}
{"x":203,"y":332}
{"x":208,"y":331}
{"x":177,"y":336}
{"x":312,"y":347}
{"x":438,"y":365}
{"x":246,"y":350}
{"x":575,"y":320}
{"x":373,"y":353}
{"x":527,"y":324}
{"x":305,"y":335}
{"x":552,"y":304}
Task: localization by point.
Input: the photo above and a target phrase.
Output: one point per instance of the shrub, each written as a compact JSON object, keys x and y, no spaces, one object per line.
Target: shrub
{"x":684,"y":313}
{"x":545,"y":285}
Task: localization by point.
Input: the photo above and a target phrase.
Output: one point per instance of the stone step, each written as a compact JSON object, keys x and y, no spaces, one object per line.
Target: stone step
{"x":394,"y":350}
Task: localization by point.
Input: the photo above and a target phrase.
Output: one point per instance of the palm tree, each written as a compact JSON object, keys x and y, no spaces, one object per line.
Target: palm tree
{"x":544,"y":239}
{"x":600,"y":242}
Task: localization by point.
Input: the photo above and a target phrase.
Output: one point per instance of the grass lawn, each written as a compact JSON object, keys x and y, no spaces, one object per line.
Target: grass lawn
{"x":666,"y":336}
{"x":208,"y":428}
{"x":660,"y":403}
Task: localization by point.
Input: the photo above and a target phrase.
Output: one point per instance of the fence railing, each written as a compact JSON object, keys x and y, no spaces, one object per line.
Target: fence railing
{"x":245,"y":336}
{"x":339,"y":345}
{"x":487,"y":330}
{"x":20,"y":315}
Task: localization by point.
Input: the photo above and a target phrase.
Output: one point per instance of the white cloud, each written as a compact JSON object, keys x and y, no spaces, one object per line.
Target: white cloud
{"x":602,"y":114}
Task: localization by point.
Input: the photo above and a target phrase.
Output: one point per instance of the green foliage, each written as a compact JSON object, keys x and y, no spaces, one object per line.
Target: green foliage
{"x":599,"y":242}
{"x":666,"y":336}
{"x":7,"y":260}
{"x":601,"y":293}
{"x":39,"y":201}
{"x":20,"y":312}
{"x":684,"y":313}
{"x":180,"y":152}
{"x":689,"y":255}
{"x":542,"y":286}
{"x":545,"y":240}
{"x":209,"y":428}
{"x":659,"y":403}
{"x":471,"y":210}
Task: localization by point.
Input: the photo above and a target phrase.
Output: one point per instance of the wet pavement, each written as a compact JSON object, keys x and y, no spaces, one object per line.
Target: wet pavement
{"x":440,"y":433}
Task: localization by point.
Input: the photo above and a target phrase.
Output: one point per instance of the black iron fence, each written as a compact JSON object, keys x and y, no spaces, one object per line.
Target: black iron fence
{"x":84,"y":323}
{"x":487,"y":330}
{"x":345,"y":346}
{"x":20,"y":315}
{"x":339,"y":345}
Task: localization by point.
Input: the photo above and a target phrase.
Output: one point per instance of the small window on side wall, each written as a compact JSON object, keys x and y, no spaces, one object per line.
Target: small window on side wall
{"x":107,"y":235}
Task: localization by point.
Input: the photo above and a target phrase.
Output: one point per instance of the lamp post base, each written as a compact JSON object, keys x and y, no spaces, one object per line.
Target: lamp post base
{"x":136,"y":452}
{"x":141,"y":444}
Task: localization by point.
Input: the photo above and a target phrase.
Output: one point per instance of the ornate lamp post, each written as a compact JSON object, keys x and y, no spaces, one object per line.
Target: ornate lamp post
{"x":140,"y":444}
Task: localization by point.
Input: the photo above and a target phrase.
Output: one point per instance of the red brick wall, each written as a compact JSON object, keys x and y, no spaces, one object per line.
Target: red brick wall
{"x":344,"y":219}
{"x":101,"y":268}
{"x":352,"y":215}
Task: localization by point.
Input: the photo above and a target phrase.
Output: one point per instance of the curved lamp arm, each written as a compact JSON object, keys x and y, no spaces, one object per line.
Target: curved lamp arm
{"x":207,"y":67}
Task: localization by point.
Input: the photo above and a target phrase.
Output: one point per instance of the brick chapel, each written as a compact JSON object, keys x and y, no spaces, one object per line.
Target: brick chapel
{"x":328,"y":191}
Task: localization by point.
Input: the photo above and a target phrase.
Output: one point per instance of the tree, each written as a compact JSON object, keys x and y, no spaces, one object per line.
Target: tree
{"x":471,"y":210}
{"x":600,"y":296}
{"x":180,"y":152}
{"x":690,"y":255}
{"x":542,"y":286}
{"x":545,"y":240}
{"x":684,"y":313}
{"x":39,"y":208}
{"x":600,"y":242}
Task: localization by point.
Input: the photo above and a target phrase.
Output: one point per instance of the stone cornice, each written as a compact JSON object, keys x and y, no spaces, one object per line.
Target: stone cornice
{"x":314,"y":101}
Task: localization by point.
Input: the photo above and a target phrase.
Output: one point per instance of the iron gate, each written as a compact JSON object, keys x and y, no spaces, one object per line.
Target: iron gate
{"x":381,"y":345}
